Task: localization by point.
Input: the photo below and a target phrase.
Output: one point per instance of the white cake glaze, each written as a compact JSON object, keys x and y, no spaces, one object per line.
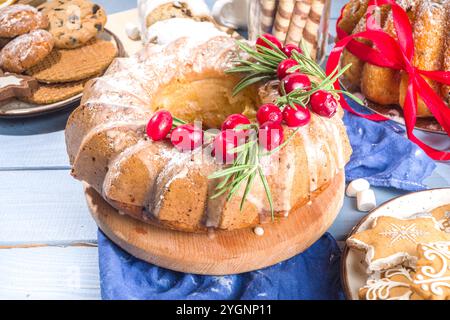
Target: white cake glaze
{"x":167,"y":31}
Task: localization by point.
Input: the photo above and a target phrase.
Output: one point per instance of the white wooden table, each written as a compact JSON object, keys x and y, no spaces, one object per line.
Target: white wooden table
{"x":47,"y":237}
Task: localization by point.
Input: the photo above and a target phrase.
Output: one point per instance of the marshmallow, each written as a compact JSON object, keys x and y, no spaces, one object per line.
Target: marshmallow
{"x":132,"y":31}
{"x":365,"y":200}
{"x":356,"y":186}
{"x":259,"y":231}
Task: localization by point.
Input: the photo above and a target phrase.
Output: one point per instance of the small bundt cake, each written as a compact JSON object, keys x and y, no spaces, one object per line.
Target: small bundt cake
{"x":430,"y":20}
{"x":154,"y":182}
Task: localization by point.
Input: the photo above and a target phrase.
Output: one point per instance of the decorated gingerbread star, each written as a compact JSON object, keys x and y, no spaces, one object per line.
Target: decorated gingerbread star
{"x":432,"y":279}
{"x":392,"y":284}
{"x":16,"y":85}
{"x":391,"y":241}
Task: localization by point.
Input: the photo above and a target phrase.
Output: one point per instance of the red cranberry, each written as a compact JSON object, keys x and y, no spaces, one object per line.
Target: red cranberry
{"x":269,"y":112}
{"x":284,"y":66}
{"x":234,"y":120}
{"x":222,"y":144}
{"x":270,"y":38}
{"x":295,"y":81}
{"x":270,"y":135}
{"x":296,"y":117}
{"x":287,"y":49}
{"x":323,"y":103}
{"x":159,"y":125}
{"x":186,"y":137}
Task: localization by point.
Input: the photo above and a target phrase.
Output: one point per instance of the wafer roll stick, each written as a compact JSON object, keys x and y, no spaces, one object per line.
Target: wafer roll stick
{"x":381,"y":84}
{"x":298,"y":21}
{"x":283,"y":18}
{"x":429,"y":23}
{"x":311,"y":30}
{"x":269,"y":9}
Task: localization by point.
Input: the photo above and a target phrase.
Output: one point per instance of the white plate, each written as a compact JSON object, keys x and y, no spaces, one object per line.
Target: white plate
{"x":353,"y":269}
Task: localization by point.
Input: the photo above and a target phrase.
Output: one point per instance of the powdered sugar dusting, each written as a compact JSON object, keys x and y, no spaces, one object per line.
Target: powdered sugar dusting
{"x":19,"y":19}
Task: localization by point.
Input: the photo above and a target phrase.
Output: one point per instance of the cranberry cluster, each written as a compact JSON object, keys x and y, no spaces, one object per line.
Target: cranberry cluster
{"x":322,"y":102}
{"x":185,"y":137}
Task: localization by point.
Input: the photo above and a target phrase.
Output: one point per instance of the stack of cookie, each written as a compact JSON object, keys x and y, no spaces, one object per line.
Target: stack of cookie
{"x":58,"y":44}
{"x":407,"y":259}
{"x":295,"y":21}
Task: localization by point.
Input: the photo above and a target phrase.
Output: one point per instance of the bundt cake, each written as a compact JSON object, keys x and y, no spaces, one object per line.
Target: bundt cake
{"x":154,"y":182}
{"x":430,"y":20}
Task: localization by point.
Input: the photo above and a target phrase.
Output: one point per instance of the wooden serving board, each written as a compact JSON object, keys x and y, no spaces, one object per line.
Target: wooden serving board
{"x":227,"y":252}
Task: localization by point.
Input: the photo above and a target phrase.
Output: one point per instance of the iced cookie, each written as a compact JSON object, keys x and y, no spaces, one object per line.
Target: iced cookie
{"x":26,"y":51}
{"x":391,"y":241}
{"x":432,"y":278}
{"x":15,"y":85}
{"x":19,"y":19}
{"x":442,"y":215}
{"x":73,"y":23}
{"x":392,"y":284}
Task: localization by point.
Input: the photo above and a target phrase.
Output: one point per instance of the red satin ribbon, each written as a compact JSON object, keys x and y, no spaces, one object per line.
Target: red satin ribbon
{"x":398,"y":55}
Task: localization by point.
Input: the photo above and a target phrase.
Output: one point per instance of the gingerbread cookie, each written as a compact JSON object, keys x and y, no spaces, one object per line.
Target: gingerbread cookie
{"x":76,"y":64}
{"x":19,"y":19}
{"x":432,"y":278}
{"x":15,"y":85}
{"x":392,"y":284}
{"x":26,"y":50}
{"x":442,"y":215}
{"x":391,"y":241}
{"x":73,"y":23}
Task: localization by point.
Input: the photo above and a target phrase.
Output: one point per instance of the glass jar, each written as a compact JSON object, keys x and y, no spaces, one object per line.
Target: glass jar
{"x":292,"y":21}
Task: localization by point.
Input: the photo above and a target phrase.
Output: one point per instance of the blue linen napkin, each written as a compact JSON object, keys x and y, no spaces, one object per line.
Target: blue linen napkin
{"x":380,"y":154}
{"x":314,"y":274}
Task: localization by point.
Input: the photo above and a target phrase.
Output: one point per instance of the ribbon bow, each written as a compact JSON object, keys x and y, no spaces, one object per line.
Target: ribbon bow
{"x":398,"y":55}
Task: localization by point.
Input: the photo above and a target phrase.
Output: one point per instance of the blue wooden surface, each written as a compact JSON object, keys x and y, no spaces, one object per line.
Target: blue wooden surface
{"x":46,"y":233}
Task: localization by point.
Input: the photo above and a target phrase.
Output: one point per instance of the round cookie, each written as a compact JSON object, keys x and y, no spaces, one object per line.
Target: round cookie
{"x":26,"y":51}
{"x":76,"y":64}
{"x":73,"y":23}
{"x":52,"y":93}
{"x":19,"y":19}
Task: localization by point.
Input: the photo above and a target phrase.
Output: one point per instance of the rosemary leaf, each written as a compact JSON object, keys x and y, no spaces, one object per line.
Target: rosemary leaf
{"x":248,"y":187}
{"x":267,"y":190}
{"x":248,"y":81}
{"x":228,"y":171}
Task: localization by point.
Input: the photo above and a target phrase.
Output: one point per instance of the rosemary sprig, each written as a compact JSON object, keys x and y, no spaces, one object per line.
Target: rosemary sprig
{"x":244,"y":170}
